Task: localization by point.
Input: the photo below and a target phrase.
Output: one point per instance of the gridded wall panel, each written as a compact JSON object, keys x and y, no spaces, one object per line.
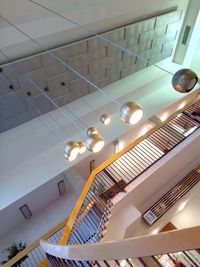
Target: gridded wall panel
{"x":101,"y":62}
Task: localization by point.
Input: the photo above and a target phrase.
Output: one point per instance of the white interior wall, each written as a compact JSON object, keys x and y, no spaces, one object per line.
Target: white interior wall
{"x":156,"y":181}
{"x":40,"y":223}
{"x":189,"y":20}
{"x":190,"y":215}
{"x":192,"y":54}
{"x":30,"y":153}
{"x":15,"y":226}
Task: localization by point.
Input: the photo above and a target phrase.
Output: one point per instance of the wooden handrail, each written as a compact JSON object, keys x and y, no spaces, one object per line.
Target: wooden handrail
{"x":161,"y":206}
{"x":70,"y":221}
{"x":140,"y":246}
{"x":75,"y":212}
{"x":35,"y":244}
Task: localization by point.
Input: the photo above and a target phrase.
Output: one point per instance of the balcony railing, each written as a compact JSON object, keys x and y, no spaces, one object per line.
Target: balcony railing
{"x":88,"y":221}
{"x":171,"y":197}
{"x":130,"y":252}
{"x":114,"y":176}
{"x":33,"y":253}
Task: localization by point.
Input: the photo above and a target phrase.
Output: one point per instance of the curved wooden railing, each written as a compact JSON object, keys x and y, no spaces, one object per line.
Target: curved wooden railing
{"x":30,"y":251}
{"x":100,"y":205}
{"x":162,"y":243}
{"x":106,"y":163}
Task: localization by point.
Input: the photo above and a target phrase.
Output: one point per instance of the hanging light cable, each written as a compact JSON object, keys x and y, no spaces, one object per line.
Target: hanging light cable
{"x":183,"y":84}
{"x":64,"y":63}
{"x":104,"y":118}
{"x":60,"y":139}
{"x":53,"y":54}
{"x":72,"y":148}
{"x":92,"y":32}
{"x":49,"y":98}
{"x":69,"y":67}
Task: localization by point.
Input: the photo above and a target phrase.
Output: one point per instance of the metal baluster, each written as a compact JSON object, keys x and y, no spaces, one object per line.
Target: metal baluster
{"x":118,"y":263}
{"x":129,"y":263}
{"x":97,"y":263}
{"x":142,"y":262}
{"x":106,"y":263}
{"x":40,"y":256}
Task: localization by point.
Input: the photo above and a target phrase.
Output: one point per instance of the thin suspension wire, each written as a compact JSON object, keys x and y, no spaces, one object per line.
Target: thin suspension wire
{"x":37,"y":87}
{"x":55,"y":104}
{"x":61,"y":61}
{"x":36,"y":109}
{"x":84,"y":101}
{"x":74,"y":92}
{"x":92,"y":32}
{"x":36,"y":95}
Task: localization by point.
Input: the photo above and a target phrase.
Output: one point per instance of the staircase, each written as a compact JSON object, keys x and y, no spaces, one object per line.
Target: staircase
{"x":132,"y":252}
{"x":92,"y":218}
{"x":82,"y":236}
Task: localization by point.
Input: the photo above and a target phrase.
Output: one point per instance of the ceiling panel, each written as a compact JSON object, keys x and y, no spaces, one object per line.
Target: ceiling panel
{"x":97,"y":60}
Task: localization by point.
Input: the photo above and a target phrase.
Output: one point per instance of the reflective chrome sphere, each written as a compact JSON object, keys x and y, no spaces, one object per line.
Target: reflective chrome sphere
{"x":184,"y":80}
{"x":94,"y":143}
{"x":82,"y":147}
{"x":105,"y":119}
{"x":131,"y":113}
{"x":92,"y":130}
{"x":71,"y":150}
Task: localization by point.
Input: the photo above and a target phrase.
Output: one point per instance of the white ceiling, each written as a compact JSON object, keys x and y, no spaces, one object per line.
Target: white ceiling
{"x":29,"y":11}
{"x":53,"y":31}
{"x":99,"y":62}
{"x":31,"y":154}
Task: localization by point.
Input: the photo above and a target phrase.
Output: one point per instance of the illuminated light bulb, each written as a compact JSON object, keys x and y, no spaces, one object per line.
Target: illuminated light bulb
{"x":71,"y":150}
{"x":82,"y":147}
{"x":131,"y":113}
{"x":71,"y":158}
{"x":105,"y":119}
{"x":94,"y":143}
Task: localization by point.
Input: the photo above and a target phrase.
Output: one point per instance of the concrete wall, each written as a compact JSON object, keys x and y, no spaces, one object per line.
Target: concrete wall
{"x":56,"y":31}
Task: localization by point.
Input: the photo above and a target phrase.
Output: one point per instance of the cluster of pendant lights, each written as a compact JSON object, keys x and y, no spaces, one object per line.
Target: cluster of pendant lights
{"x":183,"y":81}
{"x":130,"y":113}
{"x":94,"y":143}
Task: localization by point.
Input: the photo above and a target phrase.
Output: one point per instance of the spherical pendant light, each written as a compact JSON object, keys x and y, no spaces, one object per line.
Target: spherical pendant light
{"x":94,"y":143}
{"x":71,"y":150}
{"x":131,"y":113}
{"x":92,"y":130}
{"x":184,"y":80}
{"x":105,"y":119}
{"x":82,"y":147}
{"x":70,"y":158}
